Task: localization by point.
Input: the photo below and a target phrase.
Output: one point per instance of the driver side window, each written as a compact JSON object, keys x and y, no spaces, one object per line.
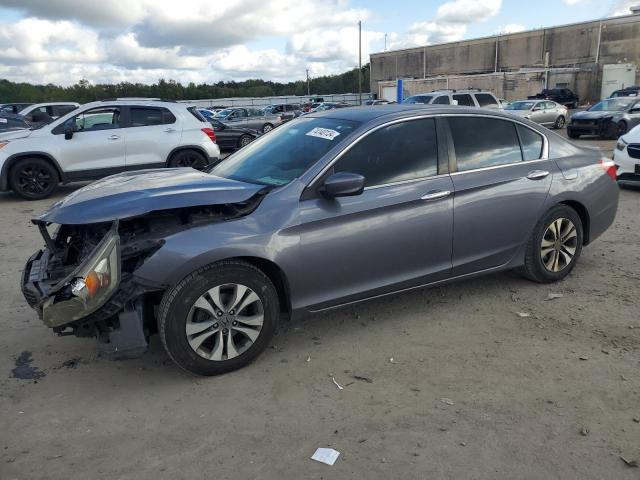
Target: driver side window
{"x":395,"y":153}
{"x":101,"y":118}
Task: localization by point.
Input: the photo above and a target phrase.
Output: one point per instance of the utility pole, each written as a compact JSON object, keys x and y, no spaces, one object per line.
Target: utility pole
{"x":360,"y":61}
{"x":308,"y":88}
{"x":385,"y":42}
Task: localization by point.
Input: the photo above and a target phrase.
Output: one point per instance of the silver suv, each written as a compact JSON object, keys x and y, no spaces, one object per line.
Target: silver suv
{"x":463,"y":98}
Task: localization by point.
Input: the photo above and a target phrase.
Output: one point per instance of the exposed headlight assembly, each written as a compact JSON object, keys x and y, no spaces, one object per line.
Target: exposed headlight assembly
{"x":88,"y":287}
{"x":621,"y":145}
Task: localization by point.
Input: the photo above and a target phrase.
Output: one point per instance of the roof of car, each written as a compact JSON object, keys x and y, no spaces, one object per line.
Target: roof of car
{"x":36,"y":105}
{"x":365,"y":114}
{"x":137,"y":102}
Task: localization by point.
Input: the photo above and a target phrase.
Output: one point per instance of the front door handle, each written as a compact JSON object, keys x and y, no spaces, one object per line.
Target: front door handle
{"x":113,"y":137}
{"x":436,"y":195}
{"x":169,"y":130}
{"x":537,"y":174}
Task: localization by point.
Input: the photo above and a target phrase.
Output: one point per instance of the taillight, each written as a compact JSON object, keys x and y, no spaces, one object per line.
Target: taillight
{"x":210,"y":133}
{"x":609,"y":167}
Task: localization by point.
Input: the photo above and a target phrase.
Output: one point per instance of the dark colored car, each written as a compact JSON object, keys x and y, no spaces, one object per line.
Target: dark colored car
{"x":230,"y":137}
{"x":626,"y":92}
{"x":609,"y":118}
{"x":11,"y":121}
{"x":563,"y":96}
{"x":13,"y":107}
{"x":330,"y":209}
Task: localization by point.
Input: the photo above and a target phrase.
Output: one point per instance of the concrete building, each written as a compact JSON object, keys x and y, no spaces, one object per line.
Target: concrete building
{"x":591,"y":58}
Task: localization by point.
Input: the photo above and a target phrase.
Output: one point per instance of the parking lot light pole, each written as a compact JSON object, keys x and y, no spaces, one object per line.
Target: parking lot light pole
{"x":308,"y":87}
{"x":360,"y":62}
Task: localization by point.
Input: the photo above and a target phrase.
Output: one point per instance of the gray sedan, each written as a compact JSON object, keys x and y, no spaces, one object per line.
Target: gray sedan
{"x":330,"y":209}
{"x":249,"y":118}
{"x":544,"y":112}
{"x":609,"y":118}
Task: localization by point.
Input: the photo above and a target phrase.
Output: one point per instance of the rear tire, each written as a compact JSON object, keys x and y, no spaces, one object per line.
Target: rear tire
{"x":244,"y":141}
{"x":33,"y":178}
{"x":218,"y":344}
{"x":545,"y":246}
{"x":188,"y":158}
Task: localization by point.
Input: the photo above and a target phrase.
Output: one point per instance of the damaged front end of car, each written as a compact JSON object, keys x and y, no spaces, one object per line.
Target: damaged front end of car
{"x":83,"y":282}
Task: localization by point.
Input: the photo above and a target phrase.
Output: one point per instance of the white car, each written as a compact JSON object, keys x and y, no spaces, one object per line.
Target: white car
{"x":103,"y":138}
{"x":54,"y":110}
{"x":626,"y":156}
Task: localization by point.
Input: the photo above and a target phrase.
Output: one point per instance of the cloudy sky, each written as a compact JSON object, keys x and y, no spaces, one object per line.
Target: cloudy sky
{"x":62,"y":41}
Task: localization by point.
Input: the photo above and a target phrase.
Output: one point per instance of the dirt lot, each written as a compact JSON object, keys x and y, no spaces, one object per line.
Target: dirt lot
{"x":457,"y":384}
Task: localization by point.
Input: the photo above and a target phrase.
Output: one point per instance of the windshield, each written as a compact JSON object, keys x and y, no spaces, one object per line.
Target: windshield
{"x":224,"y":113}
{"x":612,"y":105}
{"x":286,"y":152}
{"x":520,"y":106}
{"x":418,"y":99}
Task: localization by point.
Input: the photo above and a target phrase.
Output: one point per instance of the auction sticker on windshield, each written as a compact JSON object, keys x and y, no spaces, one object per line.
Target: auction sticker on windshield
{"x":325,"y":133}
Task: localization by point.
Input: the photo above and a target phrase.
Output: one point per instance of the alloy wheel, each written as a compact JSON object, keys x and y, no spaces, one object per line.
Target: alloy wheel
{"x":224,"y":322}
{"x":559,"y":245}
{"x":33,"y":179}
{"x":191,"y":160}
{"x":267,"y":128}
{"x":244,"y":141}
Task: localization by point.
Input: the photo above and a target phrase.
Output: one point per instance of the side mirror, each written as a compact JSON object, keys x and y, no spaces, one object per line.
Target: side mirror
{"x":69,"y":130}
{"x":342,"y":184}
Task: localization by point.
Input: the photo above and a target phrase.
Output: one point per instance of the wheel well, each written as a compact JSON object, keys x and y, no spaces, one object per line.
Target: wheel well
{"x":584,"y":218}
{"x":15,"y":160}
{"x":277,"y":276}
{"x":184,"y":149}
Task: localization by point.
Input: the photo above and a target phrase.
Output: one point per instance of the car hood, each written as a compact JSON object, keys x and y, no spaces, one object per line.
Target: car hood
{"x":135,"y":193}
{"x":587,"y":115}
{"x":15,"y":134}
{"x":632,"y":136}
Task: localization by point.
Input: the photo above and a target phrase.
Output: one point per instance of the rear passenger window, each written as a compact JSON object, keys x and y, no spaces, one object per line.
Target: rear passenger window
{"x":441,"y":100}
{"x":531,"y":143}
{"x":481,"y":142}
{"x":403,"y":151}
{"x":464,"y":99}
{"x":142,"y":116}
{"x":486,"y":100}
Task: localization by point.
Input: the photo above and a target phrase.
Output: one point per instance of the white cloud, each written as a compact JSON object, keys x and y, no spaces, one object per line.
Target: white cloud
{"x":622,"y":7}
{"x":448,"y":25}
{"x":196,"y":40}
{"x":467,"y":11}
{"x":572,"y":2}
{"x":511,"y":28}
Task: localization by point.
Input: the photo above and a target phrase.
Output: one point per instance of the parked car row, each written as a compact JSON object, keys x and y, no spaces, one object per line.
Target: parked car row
{"x":103,"y":138}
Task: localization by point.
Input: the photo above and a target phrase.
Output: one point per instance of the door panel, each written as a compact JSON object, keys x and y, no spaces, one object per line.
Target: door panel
{"x":495,"y":211}
{"x":386,"y":239}
{"x":151,"y":134}
{"x":91,"y":150}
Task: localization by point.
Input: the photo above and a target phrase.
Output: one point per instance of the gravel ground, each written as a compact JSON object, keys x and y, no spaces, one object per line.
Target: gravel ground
{"x":483,"y":379}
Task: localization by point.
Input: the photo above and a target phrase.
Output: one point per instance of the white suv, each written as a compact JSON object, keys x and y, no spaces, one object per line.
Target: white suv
{"x":470,"y":97}
{"x":103,"y":138}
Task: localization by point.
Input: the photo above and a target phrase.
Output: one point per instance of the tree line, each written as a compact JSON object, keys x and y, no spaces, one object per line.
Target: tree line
{"x":84,"y":91}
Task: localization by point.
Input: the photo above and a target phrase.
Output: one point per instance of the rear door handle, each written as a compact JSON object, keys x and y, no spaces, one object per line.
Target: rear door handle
{"x":435,"y":195}
{"x":113,"y":137}
{"x":169,"y":130}
{"x":537,"y":174}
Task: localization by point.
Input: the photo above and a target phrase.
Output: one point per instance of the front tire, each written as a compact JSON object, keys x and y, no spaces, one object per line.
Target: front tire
{"x":33,"y":178}
{"x":572,"y":134}
{"x":267,"y":127}
{"x":555,"y":246}
{"x":219,"y":318}
{"x":559,"y":123}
